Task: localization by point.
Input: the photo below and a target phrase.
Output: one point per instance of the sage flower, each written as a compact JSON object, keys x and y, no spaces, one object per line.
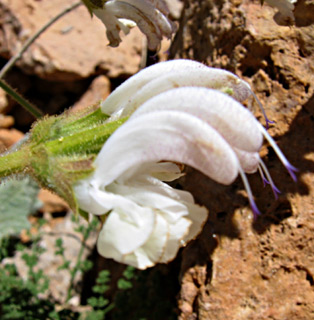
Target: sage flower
{"x":151,"y":16}
{"x":145,"y":220}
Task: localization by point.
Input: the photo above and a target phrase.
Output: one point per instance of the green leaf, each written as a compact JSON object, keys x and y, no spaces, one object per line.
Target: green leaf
{"x":18,"y":199}
{"x":124,"y":284}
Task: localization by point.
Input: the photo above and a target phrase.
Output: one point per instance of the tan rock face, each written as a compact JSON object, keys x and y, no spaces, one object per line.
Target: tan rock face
{"x":98,"y":90}
{"x":9,"y":138}
{"x":74,"y":47}
{"x":51,"y":202}
{"x":239,"y":268}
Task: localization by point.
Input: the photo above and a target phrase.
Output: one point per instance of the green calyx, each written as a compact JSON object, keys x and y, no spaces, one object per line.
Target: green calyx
{"x":60,"y":150}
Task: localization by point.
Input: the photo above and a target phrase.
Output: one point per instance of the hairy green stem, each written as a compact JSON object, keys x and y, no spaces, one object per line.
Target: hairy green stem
{"x":19,"y":99}
{"x":78,"y":263}
{"x":84,"y":142}
{"x":14,"y":162}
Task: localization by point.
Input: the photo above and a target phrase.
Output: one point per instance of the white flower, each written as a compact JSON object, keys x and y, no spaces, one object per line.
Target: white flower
{"x":145,"y":220}
{"x":150,"y":16}
{"x":148,"y":220}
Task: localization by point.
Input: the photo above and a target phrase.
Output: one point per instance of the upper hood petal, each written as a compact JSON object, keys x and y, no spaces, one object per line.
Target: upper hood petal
{"x":166,"y":135}
{"x":234,"y":122}
{"x":121,"y":95}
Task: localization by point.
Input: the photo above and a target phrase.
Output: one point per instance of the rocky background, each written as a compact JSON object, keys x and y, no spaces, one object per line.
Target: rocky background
{"x":237,"y":268}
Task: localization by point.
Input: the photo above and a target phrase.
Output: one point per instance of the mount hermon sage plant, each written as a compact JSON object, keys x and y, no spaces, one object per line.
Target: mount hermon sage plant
{"x":114,"y":161}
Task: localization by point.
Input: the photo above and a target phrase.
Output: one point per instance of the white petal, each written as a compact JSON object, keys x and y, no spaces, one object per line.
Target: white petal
{"x":113,"y":26}
{"x":201,"y":77}
{"x":96,"y":201}
{"x":157,"y":17}
{"x":177,"y":231}
{"x":166,"y":135}
{"x":234,"y":122}
{"x":129,"y":23}
{"x":120,"y":96}
{"x":198,"y":216}
{"x":150,"y":253}
{"x":150,"y":196}
{"x":161,"y":5}
{"x":164,"y":171}
{"x":124,"y":232}
{"x":122,"y":9}
{"x":249,"y":161}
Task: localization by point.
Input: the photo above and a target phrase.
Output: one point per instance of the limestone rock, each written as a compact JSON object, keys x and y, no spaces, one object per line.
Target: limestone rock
{"x":8,"y":138}
{"x":239,"y":268}
{"x":97,"y":91}
{"x":6,"y":121}
{"x":74,"y":47}
{"x":175,"y":8}
{"x":51,"y":202}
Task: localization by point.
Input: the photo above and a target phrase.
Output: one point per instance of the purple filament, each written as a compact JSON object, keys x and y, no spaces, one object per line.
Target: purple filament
{"x":265,"y":181}
{"x":270,"y":181}
{"x":291,"y":169}
{"x":268,"y":121}
{"x":254,"y":208}
{"x":263,"y":110}
{"x":253,"y":205}
{"x":276,"y":191}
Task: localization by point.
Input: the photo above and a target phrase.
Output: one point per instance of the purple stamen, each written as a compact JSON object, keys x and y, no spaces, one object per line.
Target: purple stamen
{"x":276,"y":191}
{"x":247,"y":187}
{"x":262,"y":109}
{"x":268,"y":121}
{"x":265,"y":182}
{"x":291,"y":169}
{"x":167,"y":52}
{"x":254,"y":208}
{"x":270,"y":181}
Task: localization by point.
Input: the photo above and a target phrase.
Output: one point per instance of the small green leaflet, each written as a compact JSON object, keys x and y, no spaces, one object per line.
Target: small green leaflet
{"x":18,"y":199}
